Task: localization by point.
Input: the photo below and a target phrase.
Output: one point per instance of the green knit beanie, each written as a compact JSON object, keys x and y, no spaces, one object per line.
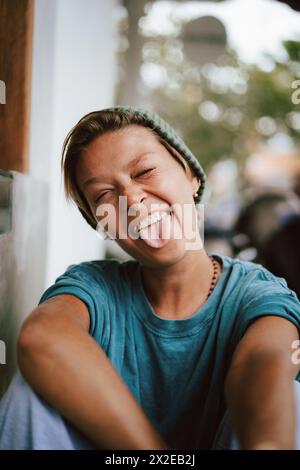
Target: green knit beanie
{"x":162,"y":128}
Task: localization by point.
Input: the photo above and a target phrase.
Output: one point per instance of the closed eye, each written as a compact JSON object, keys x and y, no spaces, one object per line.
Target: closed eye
{"x":145,"y":171}
{"x":97,"y":199}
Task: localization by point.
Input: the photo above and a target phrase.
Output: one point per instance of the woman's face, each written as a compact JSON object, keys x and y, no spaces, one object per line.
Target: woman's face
{"x":125,"y":176}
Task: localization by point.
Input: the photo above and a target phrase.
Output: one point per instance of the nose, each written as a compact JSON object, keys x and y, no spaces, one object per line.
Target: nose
{"x":135,"y":198}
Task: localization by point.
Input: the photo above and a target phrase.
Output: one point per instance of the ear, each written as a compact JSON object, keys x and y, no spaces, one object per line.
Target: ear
{"x":196,"y":183}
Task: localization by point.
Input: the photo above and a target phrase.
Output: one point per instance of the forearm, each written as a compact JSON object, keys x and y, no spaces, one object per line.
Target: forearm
{"x":261,"y":402}
{"x":72,"y":373}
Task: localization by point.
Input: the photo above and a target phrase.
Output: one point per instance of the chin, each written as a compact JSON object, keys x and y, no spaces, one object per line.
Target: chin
{"x":167,"y":255}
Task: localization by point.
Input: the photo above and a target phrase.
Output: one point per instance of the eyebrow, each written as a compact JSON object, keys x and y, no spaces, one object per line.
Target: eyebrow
{"x":90,"y":181}
{"x":131,"y":164}
{"x":138,"y":159}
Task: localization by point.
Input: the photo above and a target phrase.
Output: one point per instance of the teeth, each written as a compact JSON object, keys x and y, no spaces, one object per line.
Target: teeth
{"x":151,"y":220}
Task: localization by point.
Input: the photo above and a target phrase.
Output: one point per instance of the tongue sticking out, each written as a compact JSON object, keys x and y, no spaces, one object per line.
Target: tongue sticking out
{"x":157,"y":234}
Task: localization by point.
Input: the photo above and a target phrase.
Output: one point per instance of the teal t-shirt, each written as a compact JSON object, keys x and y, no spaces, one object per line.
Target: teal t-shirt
{"x":175,"y":368}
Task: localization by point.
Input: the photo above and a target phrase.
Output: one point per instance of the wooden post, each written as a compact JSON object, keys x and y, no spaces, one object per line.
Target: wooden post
{"x":16,"y":28}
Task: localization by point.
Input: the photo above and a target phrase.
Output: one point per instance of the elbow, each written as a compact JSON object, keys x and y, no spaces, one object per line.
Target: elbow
{"x":26,"y":340}
{"x":26,"y":344}
{"x":32,"y":345}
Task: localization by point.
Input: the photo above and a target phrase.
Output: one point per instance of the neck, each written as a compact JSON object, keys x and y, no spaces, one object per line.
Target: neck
{"x":178,"y":291}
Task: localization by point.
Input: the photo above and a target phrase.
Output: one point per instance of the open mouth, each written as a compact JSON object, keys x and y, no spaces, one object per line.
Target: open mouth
{"x":151,"y":219}
{"x":155,"y":229}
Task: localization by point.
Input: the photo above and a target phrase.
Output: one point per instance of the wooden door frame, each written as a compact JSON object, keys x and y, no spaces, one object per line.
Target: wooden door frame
{"x":16,"y":33}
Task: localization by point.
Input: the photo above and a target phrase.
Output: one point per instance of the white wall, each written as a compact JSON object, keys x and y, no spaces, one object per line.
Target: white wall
{"x":22,"y":260}
{"x":73,"y":74}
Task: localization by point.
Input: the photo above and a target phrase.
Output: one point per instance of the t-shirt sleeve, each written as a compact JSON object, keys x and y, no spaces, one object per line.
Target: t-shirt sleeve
{"x":83,"y":283}
{"x":264,"y":295}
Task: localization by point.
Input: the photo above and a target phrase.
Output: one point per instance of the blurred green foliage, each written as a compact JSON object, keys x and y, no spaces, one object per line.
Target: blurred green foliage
{"x":224,"y":109}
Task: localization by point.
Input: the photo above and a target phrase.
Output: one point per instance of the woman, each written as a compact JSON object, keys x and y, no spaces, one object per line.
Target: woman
{"x":164,"y":350}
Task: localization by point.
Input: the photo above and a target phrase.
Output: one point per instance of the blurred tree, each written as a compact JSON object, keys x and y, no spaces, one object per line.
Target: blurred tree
{"x":223,"y":109}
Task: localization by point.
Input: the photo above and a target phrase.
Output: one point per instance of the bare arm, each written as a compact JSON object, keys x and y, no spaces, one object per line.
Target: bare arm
{"x":259,"y":386}
{"x":62,"y":362}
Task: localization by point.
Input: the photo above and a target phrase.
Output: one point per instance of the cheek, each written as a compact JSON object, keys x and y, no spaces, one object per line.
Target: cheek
{"x":178,"y":186}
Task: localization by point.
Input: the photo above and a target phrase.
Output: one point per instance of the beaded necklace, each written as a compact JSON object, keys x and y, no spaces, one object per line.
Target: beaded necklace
{"x":215,"y":275}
